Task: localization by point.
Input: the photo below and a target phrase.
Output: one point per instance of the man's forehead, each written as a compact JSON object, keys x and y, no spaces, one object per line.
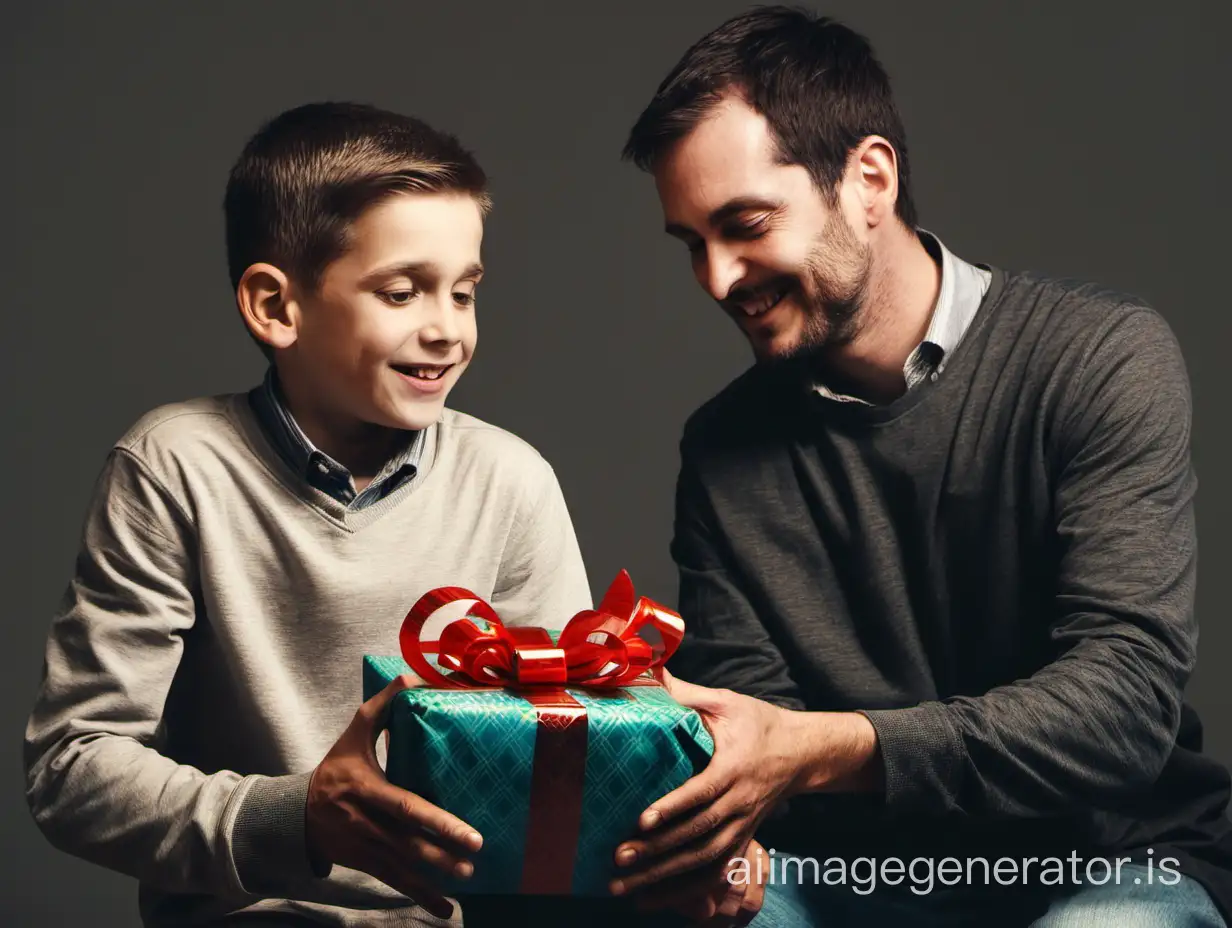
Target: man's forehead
{"x":729,"y":155}
{"x":730,"y":139}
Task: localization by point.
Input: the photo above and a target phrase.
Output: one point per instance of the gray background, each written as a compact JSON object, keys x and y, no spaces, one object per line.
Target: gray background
{"x":1073,"y":138}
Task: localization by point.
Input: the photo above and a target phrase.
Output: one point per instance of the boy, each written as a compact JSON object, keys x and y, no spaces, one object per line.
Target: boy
{"x":242,"y":553}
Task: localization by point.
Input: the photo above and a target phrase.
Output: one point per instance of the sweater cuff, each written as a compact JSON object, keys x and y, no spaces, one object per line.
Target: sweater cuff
{"x":922,"y":757}
{"x":268,"y":841}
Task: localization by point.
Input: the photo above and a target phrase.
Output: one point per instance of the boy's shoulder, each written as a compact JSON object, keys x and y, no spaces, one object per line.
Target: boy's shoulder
{"x":482,"y":447}
{"x":178,"y":421}
{"x":175,"y":434}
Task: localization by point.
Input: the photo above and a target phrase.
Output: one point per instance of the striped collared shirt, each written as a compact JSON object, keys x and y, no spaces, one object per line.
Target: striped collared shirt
{"x":318,"y":468}
{"x":963,"y":286}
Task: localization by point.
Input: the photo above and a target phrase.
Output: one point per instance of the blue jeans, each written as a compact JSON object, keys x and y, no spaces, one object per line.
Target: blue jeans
{"x":1135,"y":901}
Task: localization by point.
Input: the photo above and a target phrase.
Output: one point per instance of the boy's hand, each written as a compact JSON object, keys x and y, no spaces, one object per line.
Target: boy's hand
{"x":358,"y":819}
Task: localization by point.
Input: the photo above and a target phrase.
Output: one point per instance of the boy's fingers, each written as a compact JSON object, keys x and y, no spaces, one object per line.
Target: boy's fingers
{"x":406,"y":807}
{"x":435,"y":856}
{"x":390,"y":864}
{"x":413,"y":888}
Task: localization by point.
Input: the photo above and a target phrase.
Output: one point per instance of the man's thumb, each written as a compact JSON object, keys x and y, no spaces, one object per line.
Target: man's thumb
{"x":691,"y":695}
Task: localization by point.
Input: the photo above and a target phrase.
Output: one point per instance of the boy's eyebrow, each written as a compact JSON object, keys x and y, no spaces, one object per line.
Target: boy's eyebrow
{"x":429,"y":269}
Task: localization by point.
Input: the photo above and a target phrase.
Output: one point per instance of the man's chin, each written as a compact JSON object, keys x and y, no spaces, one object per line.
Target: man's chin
{"x":781,"y":347}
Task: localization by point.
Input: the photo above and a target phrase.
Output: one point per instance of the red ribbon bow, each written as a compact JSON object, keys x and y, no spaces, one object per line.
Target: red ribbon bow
{"x":608,"y":646}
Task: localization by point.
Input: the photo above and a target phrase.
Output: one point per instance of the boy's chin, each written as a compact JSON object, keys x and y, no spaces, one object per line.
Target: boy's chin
{"x":416,"y":418}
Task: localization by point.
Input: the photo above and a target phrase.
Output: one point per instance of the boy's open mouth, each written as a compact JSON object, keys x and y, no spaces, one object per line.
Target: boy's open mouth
{"x":422,"y":371}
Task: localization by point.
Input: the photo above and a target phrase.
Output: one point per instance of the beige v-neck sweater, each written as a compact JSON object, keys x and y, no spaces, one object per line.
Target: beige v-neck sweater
{"x":207,"y":651}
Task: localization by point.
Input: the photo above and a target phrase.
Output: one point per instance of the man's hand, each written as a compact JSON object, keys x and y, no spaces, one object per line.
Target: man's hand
{"x":762,"y":753}
{"x":358,"y":819}
{"x":729,"y":896}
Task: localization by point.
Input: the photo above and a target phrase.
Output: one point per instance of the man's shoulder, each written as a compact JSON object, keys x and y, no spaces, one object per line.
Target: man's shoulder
{"x":1066,"y":330}
{"x":1074,"y":311}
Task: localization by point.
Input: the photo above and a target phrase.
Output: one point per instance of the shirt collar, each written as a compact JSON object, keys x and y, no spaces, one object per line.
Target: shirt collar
{"x":317,"y":467}
{"x":961,"y":290}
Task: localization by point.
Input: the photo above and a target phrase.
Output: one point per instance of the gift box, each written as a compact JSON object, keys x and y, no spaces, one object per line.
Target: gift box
{"x":549,"y":743}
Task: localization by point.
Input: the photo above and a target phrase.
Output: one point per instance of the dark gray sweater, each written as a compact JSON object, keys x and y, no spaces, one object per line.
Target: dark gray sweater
{"x":998,"y":568}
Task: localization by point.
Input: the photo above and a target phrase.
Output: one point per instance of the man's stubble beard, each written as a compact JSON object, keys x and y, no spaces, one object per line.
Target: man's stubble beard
{"x":834,"y":297}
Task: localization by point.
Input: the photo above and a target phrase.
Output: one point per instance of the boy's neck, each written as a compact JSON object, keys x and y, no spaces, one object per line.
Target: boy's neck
{"x":363,"y":448}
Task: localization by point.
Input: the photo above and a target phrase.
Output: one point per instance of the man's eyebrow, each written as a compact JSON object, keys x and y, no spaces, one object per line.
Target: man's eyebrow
{"x":733,"y":207}
{"x":740,"y":205}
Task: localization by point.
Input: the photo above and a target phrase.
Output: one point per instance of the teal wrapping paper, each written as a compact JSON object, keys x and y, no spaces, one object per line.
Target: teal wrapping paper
{"x":473,"y":752}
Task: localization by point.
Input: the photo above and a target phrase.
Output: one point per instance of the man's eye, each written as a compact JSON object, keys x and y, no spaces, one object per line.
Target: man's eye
{"x":746,"y":230}
{"x":397,"y":297}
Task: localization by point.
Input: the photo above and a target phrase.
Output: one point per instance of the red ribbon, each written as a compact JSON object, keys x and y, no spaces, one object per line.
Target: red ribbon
{"x":606,"y":647}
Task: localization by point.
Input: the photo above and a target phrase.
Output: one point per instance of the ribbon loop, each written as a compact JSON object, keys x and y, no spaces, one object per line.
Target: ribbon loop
{"x":608,"y":646}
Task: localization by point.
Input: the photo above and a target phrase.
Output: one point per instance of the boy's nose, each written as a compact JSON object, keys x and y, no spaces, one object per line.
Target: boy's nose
{"x":443,"y":326}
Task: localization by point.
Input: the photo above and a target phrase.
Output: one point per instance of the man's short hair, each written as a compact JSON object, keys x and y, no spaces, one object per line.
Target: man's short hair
{"x":816,"y":82}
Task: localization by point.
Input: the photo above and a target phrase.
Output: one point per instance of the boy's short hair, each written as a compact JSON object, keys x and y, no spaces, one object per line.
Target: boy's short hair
{"x":309,"y":173}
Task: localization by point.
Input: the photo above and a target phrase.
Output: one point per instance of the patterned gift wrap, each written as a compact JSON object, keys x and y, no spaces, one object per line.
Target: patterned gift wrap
{"x":550,"y":744}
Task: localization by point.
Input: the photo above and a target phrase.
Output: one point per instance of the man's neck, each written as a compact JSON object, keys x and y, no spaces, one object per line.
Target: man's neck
{"x":902,"y":294}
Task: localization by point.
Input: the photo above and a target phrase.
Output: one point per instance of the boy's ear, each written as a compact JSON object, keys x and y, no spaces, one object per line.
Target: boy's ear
{"x":265,"y":303}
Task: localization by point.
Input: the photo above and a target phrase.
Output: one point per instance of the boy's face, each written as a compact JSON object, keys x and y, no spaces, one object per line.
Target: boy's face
{"x":391,"y":326}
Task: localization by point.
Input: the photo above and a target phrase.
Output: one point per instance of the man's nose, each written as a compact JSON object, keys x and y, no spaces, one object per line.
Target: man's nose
{"x":719,"y":270}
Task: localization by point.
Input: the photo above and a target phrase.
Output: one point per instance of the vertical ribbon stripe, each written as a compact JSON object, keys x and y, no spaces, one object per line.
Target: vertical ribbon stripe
{"x":557,"y":783}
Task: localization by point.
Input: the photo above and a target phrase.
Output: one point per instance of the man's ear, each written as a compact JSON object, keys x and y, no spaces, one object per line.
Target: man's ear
{"x":872,"y":172}
{"x":264,"y":300}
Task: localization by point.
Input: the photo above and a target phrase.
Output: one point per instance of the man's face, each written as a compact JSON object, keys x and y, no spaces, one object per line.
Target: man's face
{"x":391,"y":326}
{"x":786,"y":267}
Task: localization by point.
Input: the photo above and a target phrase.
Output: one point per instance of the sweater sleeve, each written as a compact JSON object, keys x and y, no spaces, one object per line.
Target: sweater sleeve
{"x":725,"y":643}
{"x":1095,"y":727}
{"x":97,"y":783}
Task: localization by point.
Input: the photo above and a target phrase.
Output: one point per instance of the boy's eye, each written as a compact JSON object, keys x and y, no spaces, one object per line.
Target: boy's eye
{"x":397,"y":297}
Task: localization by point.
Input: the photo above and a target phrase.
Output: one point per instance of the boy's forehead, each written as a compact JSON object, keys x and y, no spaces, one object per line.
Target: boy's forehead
{"x":437,"y":229}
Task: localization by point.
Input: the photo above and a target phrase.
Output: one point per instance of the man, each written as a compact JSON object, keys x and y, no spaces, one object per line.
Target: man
{"x":936,"y":547}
